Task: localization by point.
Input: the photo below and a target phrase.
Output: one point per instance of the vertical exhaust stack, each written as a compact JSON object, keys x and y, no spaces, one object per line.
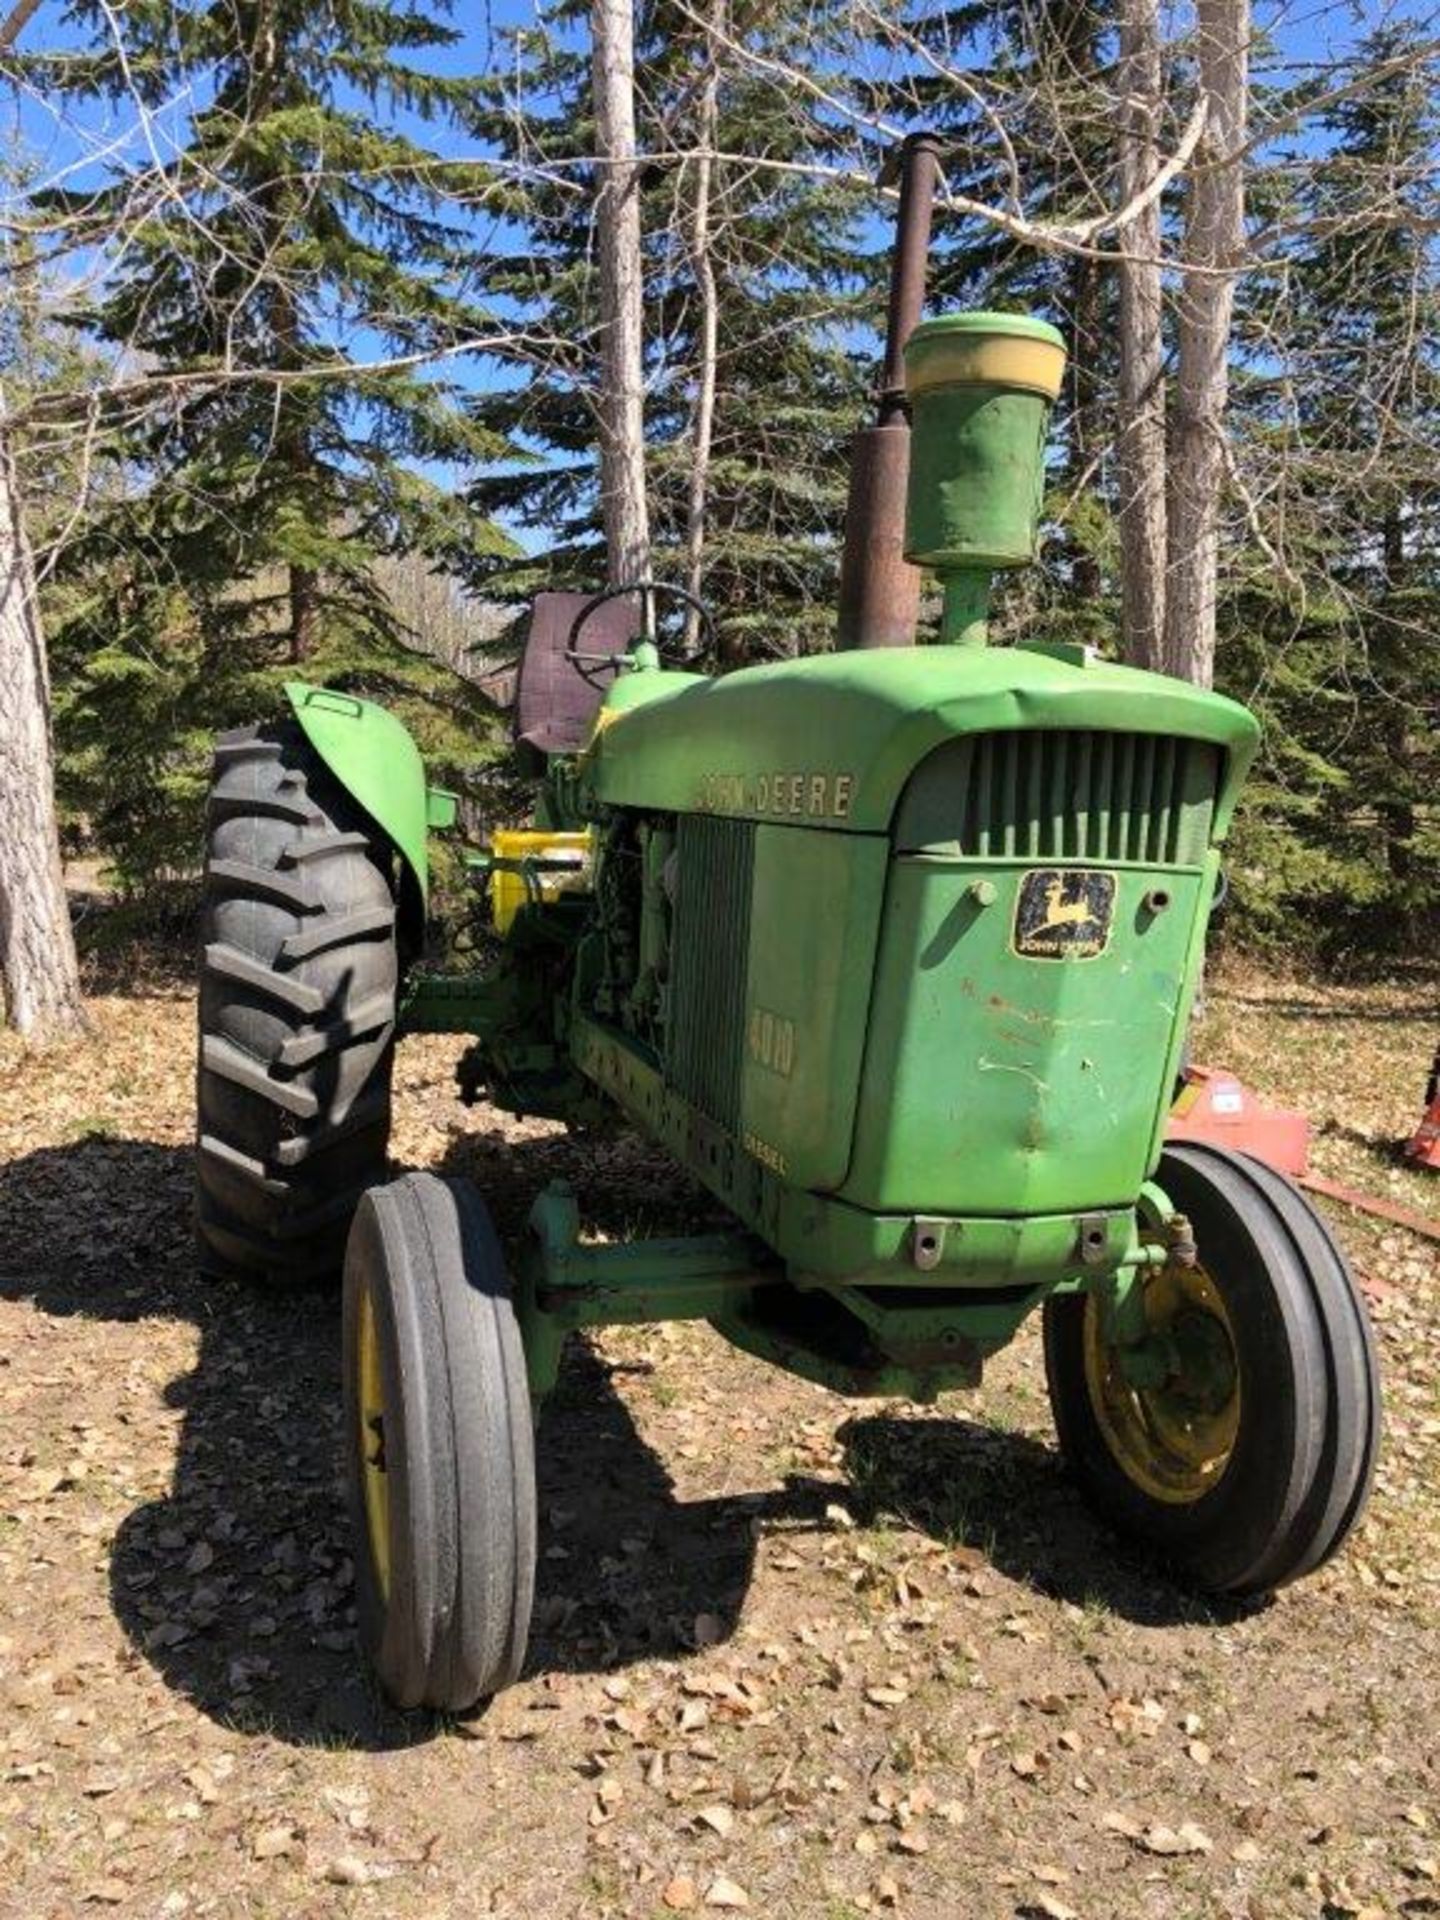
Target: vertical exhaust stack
{"x":981,"y":387}
{"x":879,"y":589}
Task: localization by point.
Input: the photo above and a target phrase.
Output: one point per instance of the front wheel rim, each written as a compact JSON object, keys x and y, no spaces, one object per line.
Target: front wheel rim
{"x":370,"y":1440}
{"x":1172,"y":1439}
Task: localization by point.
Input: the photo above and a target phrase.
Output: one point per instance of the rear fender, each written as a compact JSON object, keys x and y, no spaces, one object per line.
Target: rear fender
{"x":373,"y":757}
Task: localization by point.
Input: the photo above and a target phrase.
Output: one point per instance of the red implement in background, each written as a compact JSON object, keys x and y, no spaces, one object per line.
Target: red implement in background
{"x":1214,"y":1105}
{"x":1425,"y":1147}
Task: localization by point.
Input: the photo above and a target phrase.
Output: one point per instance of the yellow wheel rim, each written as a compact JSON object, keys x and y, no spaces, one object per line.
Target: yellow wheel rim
{"x":371,"y":1441}
{"x":1173,"y":1436}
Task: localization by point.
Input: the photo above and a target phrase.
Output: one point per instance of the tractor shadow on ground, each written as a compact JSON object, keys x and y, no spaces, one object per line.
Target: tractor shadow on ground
{"x":233,"y":1579}
{"x":234,"y":1582}
{"x":626,"y":1569}
{"x":1007,"y":1499}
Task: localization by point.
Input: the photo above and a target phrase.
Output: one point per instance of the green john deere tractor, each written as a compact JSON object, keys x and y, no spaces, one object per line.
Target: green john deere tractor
{"x":893,"y":948}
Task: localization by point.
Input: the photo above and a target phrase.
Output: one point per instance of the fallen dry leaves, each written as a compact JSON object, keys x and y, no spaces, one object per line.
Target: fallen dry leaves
{"x":791,"y":1654}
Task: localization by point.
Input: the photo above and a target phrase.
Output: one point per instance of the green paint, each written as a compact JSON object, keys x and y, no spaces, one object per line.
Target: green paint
{"x":815,"y":904}
{"x":965,"y":614}
{"x":442,"y":809}
{"x":861,"y":722}
{"x":977,"y":458}
{"x":999,"y":1085}
{"x":872,"y":1346}
{"x":955,"y":519}
{"x":374,"y":759}
{"x":456,"y":1003}
{"x":825,"y":1238}
{"x":565,"y":1284}
{"x":946,"y":912}
{"x":980,"y":324}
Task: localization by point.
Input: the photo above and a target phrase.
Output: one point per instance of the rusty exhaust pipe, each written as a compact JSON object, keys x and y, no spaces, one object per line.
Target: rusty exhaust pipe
{"x":879,"y":589}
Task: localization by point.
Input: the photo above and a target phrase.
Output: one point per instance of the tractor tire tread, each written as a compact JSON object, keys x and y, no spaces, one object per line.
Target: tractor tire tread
{"x":299,"y":985}
{"x":243,"y":744}
{"x":1342,"y":1482}
{"x":232,"y":963}
{"x":1302,"y":1469}
{"x":367,"y":1115}
{"x":246,"y":1165}
{"x":229,"y":806}
{"x":304,"y":1048}
{"x":321,"y":844}
{"x":338,"y":930}
{"x":226,"y":1252}
{"x":449,"y":1625}
{"x":261,"y":883}
{"x":224,"y":1058}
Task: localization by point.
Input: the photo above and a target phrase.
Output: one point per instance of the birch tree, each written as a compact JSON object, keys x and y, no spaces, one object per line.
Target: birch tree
{"x":1213,"y":252}
{"x":1140,"y":421}
{"x":621,"y":399}
{"x":39,"y":971}
{"x":755,"y":360}
{"x":38,"y":967}
{"x":707,"y":120}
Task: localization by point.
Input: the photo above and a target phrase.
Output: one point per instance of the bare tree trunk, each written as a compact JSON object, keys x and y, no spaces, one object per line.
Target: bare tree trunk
{"x":617,"y":215}
{"x":15,"y":22}
{"x":303,"y":596}
{"x":1140,"y":448}
{"x":292,"y":447}
{"x":704,"y":267}
{"x":1213,"y":252}
{"x":38,"y":969}
{"x":1086,"y":301}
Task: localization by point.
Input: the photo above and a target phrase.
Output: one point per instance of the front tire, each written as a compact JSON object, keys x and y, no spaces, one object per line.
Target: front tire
{"x":1243,"y":1445}
{"x":439,"y":1446}
{"x":299,"y":970}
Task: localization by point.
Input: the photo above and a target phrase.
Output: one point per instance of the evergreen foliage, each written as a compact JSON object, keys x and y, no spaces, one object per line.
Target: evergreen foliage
{"x":791,"y":273}
{"x":309,"y":226}
{"x":300,"y":232}
{"x":1339,"y":840}
{"x":1029,"y":127}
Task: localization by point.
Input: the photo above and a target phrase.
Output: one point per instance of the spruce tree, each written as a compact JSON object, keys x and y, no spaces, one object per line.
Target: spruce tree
{"x":297,"y":276}
{"x":1032,"y":132}
{"x":790,"y":280}
{"x":1343,"y":835}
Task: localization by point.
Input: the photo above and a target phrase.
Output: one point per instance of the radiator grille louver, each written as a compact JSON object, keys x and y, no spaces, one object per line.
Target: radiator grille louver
{"x":1147,"y":798}
{"x":711,"y":946}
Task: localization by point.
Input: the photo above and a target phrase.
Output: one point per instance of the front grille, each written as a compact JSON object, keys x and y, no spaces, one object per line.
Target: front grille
{"x":705,"y":1045}
{"x":1147,"y":798}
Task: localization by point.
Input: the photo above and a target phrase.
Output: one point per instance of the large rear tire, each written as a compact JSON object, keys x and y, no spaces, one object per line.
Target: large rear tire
{"x":1243,"y":1445}
{"x":439,"y":1446}
{"x":298,"y":978}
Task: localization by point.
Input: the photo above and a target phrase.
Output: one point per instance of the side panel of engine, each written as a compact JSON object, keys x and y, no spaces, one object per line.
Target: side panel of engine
{"x":740,"y":956}
{"x":814,"y":930}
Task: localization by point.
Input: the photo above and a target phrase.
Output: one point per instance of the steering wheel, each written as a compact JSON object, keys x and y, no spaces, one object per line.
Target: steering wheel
{"x":647,"y":590}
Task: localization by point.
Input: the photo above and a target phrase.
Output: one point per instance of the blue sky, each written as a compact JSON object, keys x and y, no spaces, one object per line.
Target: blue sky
{"x":1301,"y":33}
{"x":83,"y":146}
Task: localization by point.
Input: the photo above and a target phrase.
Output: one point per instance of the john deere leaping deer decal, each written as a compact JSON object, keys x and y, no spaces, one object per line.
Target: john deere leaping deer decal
{"x":1064,"y":913}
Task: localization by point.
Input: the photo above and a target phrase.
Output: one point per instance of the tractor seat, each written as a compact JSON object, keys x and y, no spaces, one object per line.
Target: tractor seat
{"x":555,"y":701}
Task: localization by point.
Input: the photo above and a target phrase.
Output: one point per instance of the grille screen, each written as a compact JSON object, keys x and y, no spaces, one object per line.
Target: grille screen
{"x":1064,"y":796}
{"x":706,"y":1040}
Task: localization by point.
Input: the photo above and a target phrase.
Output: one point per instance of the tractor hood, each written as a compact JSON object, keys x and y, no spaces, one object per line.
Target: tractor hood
{"x":831,"y":741}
